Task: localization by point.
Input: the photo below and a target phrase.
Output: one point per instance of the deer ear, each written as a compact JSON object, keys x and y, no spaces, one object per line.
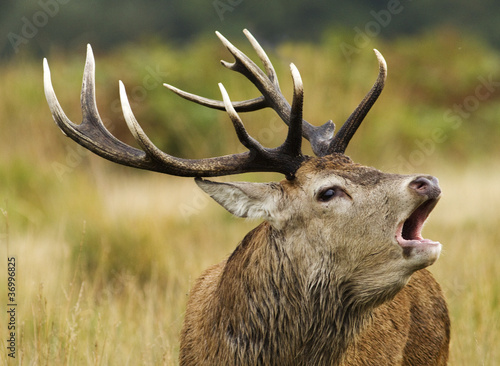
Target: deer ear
{"x":243,"y":199}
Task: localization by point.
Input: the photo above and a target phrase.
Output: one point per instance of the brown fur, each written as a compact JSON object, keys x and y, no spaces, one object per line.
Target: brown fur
{"x":313,"y":287}
{"x":412,"y":329}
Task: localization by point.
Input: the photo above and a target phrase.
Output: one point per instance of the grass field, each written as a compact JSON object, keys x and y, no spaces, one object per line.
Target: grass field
{"x":105,"y":256}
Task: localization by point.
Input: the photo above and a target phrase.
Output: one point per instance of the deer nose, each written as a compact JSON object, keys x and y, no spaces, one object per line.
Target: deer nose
{"x":426,"y":186}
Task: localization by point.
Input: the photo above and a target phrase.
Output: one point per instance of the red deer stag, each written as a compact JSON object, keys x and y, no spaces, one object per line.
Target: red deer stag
{"x":334,"y":275}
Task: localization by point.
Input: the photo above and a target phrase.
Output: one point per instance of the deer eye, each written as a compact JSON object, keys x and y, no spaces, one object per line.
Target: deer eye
{"x":329,"y":193}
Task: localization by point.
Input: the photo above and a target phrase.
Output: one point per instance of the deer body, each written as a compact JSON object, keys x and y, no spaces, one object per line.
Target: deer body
{"x":411,"y":329}
{"x":334,"y":275}
{"x":301,"y":287}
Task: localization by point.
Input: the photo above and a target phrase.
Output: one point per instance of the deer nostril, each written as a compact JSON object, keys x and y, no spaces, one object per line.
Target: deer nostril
{"x":428,"y":186}
{"x":420,"y":184}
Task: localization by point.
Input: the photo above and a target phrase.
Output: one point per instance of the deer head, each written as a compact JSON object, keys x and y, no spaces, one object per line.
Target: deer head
{"x":345,"y":237}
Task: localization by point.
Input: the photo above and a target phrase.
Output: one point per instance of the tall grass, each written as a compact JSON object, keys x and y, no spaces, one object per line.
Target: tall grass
{"x":106,"y":256}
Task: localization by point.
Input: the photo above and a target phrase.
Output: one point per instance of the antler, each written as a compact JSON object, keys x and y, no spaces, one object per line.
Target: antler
{"x":93,"y":135}
{"x":322,"y":140}
{"x":285,"y":159}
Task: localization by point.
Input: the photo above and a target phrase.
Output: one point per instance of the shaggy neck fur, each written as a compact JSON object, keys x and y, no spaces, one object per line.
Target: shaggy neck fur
{"x":264,"y":286}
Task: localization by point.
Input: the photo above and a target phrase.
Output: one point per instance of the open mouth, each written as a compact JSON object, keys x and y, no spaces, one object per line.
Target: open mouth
{"x":409,"y":232}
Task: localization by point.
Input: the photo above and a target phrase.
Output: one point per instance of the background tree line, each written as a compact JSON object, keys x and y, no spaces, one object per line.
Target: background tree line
{"x":35,"y":26}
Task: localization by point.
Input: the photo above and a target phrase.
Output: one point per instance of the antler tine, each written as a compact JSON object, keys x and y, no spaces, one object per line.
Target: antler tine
{"x":271,"y":73}
{"x":248,"y":141}
{"x":293,"y":140}
{"x":242,"y":106}
{"x":341,"y":140}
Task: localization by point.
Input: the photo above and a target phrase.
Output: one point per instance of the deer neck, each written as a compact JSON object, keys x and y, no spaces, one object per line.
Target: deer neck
{"x":269,"y":283}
